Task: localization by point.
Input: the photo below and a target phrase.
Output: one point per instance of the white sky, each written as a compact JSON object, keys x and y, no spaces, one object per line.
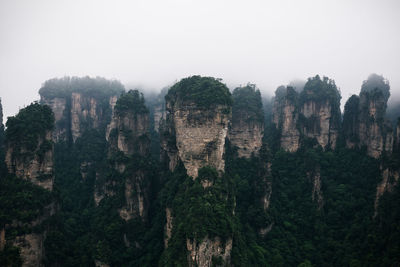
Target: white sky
{"x":153,"y":43}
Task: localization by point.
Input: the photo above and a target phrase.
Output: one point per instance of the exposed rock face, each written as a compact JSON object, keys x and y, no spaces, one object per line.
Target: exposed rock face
{"x":31,"y":249}
{"x":247,"y":129}
{"x":323,"y":128}
{"x":316,"y":191}
{"x":200,"y":135}
{"x":59,"y":106}
{"x":390,"y":179}
{"x":37,"y":165}
{"x":364,"y":124}
{"x":202,"y":254}
{"x":136,"y":197}
{"x":159,"y":114}
{"x":128,"y":132}
{"x":314,"y":113}
{"x":168,"y":226}
{"x":320,"y":117}
{"x":79,"y":104}
{"x":285,"y":117}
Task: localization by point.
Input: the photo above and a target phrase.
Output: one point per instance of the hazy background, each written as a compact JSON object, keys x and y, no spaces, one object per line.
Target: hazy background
{"x":154,"y":43}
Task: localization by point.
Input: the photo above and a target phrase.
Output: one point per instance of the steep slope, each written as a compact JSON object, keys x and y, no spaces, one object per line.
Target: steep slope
{"x":29,"y":156}
{"x":247,"y":128}
{"x":285,"y":117}
{"x":79,"y":104}
{"x":320,"y":111}
{"x":29,"y":148}
{"x":131,"y":137}
{"x":364,"y":122}
{"x":198,"y":114}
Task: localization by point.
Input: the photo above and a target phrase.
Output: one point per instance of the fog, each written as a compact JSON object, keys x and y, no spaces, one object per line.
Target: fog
{"x":151,"y":44}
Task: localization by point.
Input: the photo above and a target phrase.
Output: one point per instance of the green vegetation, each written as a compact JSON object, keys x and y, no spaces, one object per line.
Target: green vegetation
{"x":320,"y":90}
{"x":376,"y":83}
{"x":63,"y":87}
{"x":247,"y":100}
{"x":30,"y":124}
{"x":132,"y":101}
{"x":264,"y":204}
{"x":204,"y":91}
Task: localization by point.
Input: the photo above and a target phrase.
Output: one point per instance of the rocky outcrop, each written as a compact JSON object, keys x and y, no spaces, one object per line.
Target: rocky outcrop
{"x":313,"y":114}
{"x":136,"y":197}
{"x":29,"y":146}
{"x":198,"y":113}
{"x":128,"y":133}
{"x":247,"y":128}
{"x":315,"y":178}
{"x":168,"y":226}
{"x":364,"y":123}
{"x":31,"y":249}
{"x":285,"y":117}
{"x":320,"y":116}
{"x":59,"y":107}
{"x":129,"y":127}
{"x":79,"y":104}
{"x":209,"y":252}
{"x":36,"y":165}
{"x":320,"y":123}
{"x":389,"y":180}
{"x":199,"y":135}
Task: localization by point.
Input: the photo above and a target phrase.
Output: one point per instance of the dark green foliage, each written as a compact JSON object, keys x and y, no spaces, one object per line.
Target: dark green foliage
{"x":247,"y":100}
{"x":63,"y":87}
{"x":197,"y":211}
{"x":351,"y":119}
{"x":132,"y":101}
{"x":204,"y":91}
{"x":21,"y":200}
{"x":32,"y":122}
{"x":376,"y":83}
{"x":320,"y":90}
{"x":9,"y":256}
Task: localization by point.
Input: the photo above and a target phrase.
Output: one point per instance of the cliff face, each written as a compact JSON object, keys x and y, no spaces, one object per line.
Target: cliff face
{"x":58,"y":105}
{"x":285,"y":117}
{"x":29,"y":146}
{"x":365,"y":125}
{"x":36,"y":165}
{"x":314,"y":113}
{"x":321,"y":128}
{"x":128,"y":133}
{"x":202,"y":253}
{"x":79,"y":104}
{"x":199,"y":134}
{"x":247,"y":128}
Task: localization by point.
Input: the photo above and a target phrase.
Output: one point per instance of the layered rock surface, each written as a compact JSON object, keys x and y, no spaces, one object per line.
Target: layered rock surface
{"x":29,"y":146}
{"x":364,"y":122}
{"x":128,"y":133}
{"x":195,"y":131}
{"x":79,"y":104}
{"x":314,"y":113}
{"x":247,"y":128}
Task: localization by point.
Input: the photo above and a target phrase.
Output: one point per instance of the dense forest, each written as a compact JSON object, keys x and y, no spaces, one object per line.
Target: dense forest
{"x":287,"y":181}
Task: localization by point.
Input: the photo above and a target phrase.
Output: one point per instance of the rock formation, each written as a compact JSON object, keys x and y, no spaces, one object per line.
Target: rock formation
{"x":285,"y":117}
{"x":196,"y":126}
{"x":79,"y":104}
{"x":364,"y":123}
{"x":314,"y":114}
{"x":128,"y":133}
{"x":129,"y":127}
{"x":29,"y":147}
{"x":247,"y":128}
{"x":206,"y":252}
